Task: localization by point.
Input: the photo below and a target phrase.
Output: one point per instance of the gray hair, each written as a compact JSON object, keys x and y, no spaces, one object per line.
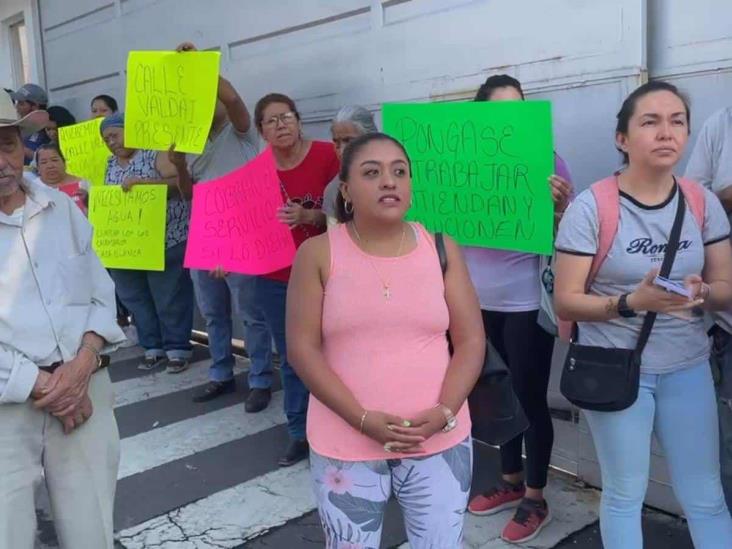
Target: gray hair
{"x":357,"y":115}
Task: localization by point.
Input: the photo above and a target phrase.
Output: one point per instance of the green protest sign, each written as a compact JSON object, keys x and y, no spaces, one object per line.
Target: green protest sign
{"x":170,"y":98}
{"x":480,"y":170}
{"x":129,"y":227}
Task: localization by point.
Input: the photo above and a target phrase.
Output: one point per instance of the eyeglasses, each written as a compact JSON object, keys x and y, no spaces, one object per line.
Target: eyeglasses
{"x":286,"y":118}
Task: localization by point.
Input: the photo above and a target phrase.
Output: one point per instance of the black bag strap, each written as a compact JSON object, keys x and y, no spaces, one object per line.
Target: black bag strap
{"x":494,"y":368}
{"x":668,"y":261}
{"x":441,"y":251}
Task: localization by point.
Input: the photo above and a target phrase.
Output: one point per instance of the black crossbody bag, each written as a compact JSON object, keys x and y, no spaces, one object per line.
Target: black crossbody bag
{"x":607,"y":380}
{"x":495,"y":410}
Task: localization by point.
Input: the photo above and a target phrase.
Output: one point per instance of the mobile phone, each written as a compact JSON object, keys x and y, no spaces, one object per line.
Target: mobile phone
{"x":671,"y":286}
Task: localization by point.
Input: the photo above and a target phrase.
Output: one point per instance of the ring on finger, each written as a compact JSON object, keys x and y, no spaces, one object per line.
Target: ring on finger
{"x":388,"y":447}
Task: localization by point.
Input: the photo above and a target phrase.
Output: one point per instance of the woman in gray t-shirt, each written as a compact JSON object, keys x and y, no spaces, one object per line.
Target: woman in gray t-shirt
{"x":676,"y":395}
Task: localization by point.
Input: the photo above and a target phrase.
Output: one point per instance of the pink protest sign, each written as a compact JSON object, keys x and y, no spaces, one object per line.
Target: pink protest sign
{"x":234,"y":224}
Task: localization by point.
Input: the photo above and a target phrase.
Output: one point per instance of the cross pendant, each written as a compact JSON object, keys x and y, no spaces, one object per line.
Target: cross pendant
{"x":387,"y":293}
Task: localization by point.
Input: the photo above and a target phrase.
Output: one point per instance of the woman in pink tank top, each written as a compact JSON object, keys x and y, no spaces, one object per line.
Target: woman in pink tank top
{"x":367,"y":316}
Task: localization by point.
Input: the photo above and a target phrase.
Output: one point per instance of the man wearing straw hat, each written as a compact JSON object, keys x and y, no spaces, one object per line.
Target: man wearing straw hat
{"x":57,"y":313}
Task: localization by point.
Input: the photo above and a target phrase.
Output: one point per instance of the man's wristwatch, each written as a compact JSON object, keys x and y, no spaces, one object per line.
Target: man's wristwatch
{"x":450,"y":419}
{"x":102,"y":360}
{"x":623,"y":309}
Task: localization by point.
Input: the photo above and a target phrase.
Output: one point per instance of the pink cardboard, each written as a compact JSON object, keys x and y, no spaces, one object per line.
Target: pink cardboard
{"x":234,"y":224}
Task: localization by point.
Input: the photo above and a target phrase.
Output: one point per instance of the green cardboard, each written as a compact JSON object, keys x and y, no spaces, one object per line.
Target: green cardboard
{"x":480,"y":170}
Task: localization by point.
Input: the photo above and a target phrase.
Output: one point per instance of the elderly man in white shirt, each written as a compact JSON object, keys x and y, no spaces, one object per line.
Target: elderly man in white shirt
{"x":57,"y":313}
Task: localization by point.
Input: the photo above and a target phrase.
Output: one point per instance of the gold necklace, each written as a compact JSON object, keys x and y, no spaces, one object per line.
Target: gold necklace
{"x":384,"y":283}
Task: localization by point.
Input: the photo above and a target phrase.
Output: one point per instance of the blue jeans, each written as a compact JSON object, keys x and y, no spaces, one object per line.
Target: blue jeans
{"x":681,"y":409}
{"x":161,"y":303}
{"x":271,"y":296}
{"x":216,"y":299}
{"x":722,"y":368}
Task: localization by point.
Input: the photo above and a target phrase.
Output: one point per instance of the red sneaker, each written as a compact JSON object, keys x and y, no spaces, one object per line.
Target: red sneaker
{"x":502,"y":496}
{"x":530,"y":518}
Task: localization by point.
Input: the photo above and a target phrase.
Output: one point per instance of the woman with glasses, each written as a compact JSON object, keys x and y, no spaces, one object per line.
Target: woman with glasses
{"x":304,"y":167}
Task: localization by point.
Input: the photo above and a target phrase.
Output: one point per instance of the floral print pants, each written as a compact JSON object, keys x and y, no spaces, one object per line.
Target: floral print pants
{"x":432,"y":492}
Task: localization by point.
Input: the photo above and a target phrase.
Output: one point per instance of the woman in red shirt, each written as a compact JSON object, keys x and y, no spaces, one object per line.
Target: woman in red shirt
{"x":305,"y":167}
{"x":51,"y":166}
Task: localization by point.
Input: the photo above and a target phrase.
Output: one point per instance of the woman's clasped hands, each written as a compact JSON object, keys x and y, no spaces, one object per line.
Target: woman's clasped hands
{"x":403,"y":435}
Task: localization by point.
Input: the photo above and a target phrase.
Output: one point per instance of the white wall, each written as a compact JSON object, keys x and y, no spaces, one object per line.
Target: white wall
{"x":9,"y":9}
{"x":696,"y":57}
{"x":689,"y":37}
{"x":327,"y":53}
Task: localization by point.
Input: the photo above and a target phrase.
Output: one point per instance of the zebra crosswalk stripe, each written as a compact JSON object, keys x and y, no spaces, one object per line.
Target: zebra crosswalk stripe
{"x":159,"y":446}
{"x":231,"y":517}
{"x":158,"y":383}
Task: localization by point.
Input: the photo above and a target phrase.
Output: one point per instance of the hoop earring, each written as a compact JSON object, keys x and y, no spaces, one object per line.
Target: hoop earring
{"x":346,"y":203}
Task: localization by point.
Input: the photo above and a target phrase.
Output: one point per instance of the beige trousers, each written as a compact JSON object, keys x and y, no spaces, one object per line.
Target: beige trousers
{"x":80,"y":471}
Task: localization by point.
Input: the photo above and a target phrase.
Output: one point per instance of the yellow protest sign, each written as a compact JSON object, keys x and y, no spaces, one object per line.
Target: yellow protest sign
{"x":171,"y":98}
{"x":84,"y":149}
{"x":129,"y":227}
